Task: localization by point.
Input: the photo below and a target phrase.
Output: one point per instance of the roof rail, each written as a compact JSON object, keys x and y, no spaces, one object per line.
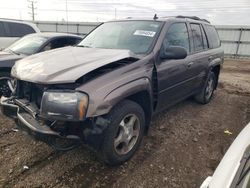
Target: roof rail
{"x":193,"y":18}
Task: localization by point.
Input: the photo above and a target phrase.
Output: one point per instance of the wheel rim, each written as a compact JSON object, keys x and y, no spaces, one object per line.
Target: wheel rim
{"x":210,"y":88}
{"x":127,"y":134}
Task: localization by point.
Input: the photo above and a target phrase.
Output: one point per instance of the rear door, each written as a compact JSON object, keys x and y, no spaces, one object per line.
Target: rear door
{"x":197,"y":68}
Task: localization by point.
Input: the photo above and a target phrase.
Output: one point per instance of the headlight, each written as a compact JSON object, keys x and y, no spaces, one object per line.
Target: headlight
{"x":59,"y":105}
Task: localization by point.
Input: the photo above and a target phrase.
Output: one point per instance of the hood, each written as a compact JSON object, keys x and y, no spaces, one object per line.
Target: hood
{"x":8,"y":59}
{"x":65,"y":65}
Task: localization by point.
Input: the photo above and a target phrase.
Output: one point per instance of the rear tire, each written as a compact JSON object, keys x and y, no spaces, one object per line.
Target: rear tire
{"x":206,"y":94}
{"x":124,"y":133}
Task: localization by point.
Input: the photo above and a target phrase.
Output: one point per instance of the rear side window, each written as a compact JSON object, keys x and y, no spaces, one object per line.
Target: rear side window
{"x":212,"y":35}
{"x":177,"y":35}
{"x":2,"y":31}
{"x":197,"y":37}
{"x":18,"y":29}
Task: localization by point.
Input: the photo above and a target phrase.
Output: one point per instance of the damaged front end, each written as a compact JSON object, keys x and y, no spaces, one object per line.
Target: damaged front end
{"x":54,"y":114}
{"x":48,"y":100}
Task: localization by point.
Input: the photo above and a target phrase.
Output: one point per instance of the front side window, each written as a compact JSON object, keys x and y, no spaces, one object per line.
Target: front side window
{"x":197,"y":37}
{"x":136,"y":36}
{"x":177,"y":35}
{"x":27,"y":45}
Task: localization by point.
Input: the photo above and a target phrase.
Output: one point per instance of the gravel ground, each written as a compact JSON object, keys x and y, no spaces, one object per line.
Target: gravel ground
{"x":184,"y":145}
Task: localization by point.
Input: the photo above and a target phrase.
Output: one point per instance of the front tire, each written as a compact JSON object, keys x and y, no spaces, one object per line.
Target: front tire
{"x":124,"y":132}
{"x":206,"y":94}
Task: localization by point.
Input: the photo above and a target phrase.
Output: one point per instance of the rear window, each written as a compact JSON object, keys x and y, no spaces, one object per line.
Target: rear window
{"x":2,"y":32}
{"x":18,"y":29}
{"x":212,"y":35}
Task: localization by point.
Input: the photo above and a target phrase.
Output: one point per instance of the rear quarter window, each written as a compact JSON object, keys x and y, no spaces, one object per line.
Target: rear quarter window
{"x":212,"y":36}
{"x":18,"y":29}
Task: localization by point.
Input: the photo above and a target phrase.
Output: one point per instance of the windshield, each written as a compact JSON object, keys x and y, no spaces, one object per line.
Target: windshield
{"x":136,"y":36}
{"x":27,"y":45}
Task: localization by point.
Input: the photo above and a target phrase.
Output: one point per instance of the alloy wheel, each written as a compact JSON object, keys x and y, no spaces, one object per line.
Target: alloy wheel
{"x":127,"y":134}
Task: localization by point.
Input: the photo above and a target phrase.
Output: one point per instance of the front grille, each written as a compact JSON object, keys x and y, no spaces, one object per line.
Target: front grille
{"x":30,"y":91}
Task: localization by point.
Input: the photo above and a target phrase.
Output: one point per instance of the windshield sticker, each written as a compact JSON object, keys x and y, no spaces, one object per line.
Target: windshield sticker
{"x":144,"y":33}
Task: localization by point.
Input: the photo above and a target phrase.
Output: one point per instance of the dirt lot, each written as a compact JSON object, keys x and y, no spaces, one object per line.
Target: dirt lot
{"x":182,"y":148}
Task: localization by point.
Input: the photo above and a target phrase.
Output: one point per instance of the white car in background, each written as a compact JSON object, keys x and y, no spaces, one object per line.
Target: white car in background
{"x":234,"y":169}
{"x":11,"y":30}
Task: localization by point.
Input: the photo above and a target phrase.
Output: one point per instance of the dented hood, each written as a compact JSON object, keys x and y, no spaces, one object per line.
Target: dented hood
{"x":65,"y":65}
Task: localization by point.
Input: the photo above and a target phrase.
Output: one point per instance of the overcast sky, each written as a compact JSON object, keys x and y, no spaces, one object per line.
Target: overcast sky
{"x":219,"y":12}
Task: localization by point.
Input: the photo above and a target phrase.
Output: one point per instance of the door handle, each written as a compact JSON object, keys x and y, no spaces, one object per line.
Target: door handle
{"x":190,"y":64}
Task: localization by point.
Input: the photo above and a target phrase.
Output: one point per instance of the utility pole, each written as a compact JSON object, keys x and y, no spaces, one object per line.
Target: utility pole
{"x":115,"y":13}
{"x":67,"y":18}
{"x":32,"y":8}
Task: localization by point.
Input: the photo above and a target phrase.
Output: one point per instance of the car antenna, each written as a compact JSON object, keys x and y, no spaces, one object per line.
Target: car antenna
{"x":155,"y":17}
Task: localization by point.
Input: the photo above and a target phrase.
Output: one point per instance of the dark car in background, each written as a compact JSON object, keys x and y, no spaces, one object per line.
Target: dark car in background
{"x":28,"y":45}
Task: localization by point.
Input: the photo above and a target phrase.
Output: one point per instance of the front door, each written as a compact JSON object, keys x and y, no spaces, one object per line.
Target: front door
{"x":173,"y":76}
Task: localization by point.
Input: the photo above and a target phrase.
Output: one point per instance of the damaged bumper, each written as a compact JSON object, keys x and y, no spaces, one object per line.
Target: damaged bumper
{"x":21,"y":112}
{"x":25,"y":115}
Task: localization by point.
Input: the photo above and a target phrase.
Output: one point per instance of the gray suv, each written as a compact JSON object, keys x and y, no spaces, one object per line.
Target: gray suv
{"x":104,"y":92}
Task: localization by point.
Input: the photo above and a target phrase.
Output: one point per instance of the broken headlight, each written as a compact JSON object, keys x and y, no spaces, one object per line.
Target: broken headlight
{"x":61,"y":105}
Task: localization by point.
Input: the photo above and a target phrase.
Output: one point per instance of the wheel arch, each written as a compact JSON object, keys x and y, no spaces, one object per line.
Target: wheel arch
{"x":138,"y":91}
{"x":144,"y":100}
{"x":216,"y":70}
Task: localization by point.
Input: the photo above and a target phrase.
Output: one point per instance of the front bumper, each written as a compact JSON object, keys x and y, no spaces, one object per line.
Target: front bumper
{"x":27,"y":119}
{"x":25,"y":115}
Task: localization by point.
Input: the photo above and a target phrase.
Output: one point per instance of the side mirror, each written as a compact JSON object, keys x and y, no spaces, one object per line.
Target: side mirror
{"x":174,"y":52}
